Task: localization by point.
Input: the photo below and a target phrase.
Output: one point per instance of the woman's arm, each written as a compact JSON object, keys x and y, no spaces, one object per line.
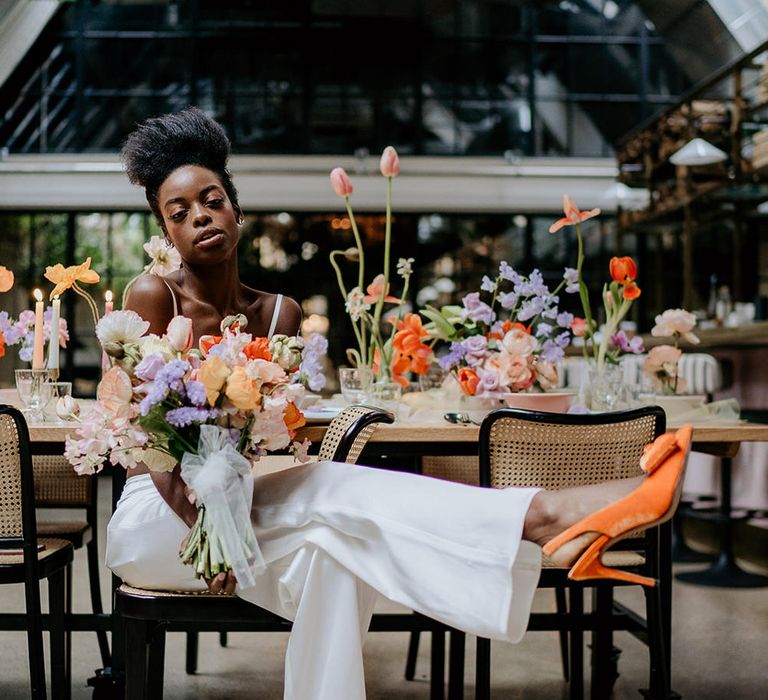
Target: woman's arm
{"x":289,"y":322}
{"x":151,"y":299}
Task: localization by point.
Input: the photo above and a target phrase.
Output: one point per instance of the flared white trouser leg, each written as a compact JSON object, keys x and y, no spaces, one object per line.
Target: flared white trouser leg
{"x":324,"y":658}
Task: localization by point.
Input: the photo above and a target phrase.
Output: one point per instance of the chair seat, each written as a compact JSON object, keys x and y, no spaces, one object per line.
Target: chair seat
{"x":610,"y":559}
{"x":78,"y":532}
{"x":55,"y":554}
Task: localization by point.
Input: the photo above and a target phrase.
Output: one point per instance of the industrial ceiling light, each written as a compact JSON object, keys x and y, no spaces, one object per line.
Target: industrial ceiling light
{"x":698,"y":152}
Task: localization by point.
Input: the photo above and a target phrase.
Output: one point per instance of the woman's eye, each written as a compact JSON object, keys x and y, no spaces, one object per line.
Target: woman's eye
{"x":178,"y":215}
{"x":215,"y":203}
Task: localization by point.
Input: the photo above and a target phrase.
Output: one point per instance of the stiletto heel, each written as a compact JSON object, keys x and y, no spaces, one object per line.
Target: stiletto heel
{"x":650,"y":504}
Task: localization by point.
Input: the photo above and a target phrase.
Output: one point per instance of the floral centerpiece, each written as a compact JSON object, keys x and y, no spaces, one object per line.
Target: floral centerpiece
{"x":609,"y":342}
{"x":508,"y":337}
{"x":215,"y":409}
{"x":378,"y":344}
{"x":662,"y":363}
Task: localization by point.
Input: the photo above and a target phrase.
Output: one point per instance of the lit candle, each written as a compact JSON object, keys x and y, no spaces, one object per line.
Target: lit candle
{"x":53,"y":343}
{"x":37,"y":348}
{"x":108,"y":304}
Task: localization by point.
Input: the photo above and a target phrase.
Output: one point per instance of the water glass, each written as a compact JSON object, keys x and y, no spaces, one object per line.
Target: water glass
{"x":33,"y":386}
{"x":355,"y":383}
{"x":386,"y":395}
{"x":433,"y":379}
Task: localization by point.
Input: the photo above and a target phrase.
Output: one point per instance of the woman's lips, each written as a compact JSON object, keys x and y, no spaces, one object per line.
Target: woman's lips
{"x":210,"y":241}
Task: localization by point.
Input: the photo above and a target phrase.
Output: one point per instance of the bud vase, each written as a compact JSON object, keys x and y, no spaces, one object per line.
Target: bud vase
{"x":605,"y":389}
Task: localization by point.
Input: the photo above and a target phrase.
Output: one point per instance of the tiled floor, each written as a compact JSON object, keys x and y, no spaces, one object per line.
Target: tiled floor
{"x":719,"y":650}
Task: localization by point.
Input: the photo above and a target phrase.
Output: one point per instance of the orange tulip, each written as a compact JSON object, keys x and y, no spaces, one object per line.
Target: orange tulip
{"x":468,"y":381}
{"x":624,"y":271}
{"x":579,"y":327}
{"x":6,"y":279}
{"x":341,"y":183}
{"x":293,"y":418}
{"x":258,"y":349}
{"x":66,"y":277}
{"x":572,"y":215}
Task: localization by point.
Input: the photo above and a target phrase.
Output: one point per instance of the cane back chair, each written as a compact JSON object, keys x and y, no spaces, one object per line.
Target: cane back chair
{"x":148,"y":614}
{"x":58,"y":486}
{"x":26,"y":559}
{"x":556,"y":451}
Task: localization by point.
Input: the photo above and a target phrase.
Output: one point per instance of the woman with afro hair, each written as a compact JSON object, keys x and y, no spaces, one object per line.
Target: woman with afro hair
{"x":334,"y":536}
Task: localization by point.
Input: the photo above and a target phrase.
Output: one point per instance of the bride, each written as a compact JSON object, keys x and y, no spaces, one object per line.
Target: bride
{"x":335,"y":536}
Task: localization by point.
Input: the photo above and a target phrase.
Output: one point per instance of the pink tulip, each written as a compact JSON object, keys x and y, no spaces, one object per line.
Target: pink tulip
{"x":179,"y":333}
{"x":341,"y":183}
{"x":390,"y":163}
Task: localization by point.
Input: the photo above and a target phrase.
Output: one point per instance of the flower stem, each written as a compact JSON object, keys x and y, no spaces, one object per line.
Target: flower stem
{"x":583,"y":292}
{"x":91,"y":303}
{"x":358,"y":243}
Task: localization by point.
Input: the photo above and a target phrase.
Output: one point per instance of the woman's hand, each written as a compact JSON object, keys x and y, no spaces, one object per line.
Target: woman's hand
{"x":223,"y":583}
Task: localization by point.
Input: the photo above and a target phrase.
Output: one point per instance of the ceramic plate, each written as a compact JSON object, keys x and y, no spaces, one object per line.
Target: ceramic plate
{"x":318,"y":415}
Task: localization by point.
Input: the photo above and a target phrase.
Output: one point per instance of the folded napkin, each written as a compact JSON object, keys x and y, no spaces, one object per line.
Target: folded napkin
{"x":726,"y":410}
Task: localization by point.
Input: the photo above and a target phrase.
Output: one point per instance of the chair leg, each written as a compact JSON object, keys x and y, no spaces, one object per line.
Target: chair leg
{"x":413,"y":652}
{"x":603,"y":661}
{"x":96,"y":604}
{"x":57,"y":601}
{"x":577,"y":644}
{"x":136,"y":649}
{"x":483,"y":669}
{"x":156,"y":663}
{"x":456,"y":665}
{"x":659,"y":671}
{"x":193,"y":640}
{"x":437,"y":665}
{"x":562,"y":609}
{"x":223,"y":639}
{"x":35,"y":640}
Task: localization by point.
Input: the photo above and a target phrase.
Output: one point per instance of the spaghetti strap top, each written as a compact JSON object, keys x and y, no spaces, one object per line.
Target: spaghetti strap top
{"x":275,"y":316}
{"x":173,"y":296}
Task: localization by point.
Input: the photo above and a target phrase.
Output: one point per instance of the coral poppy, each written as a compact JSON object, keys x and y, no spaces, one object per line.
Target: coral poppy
{"x":572,"y":215}
{"x":67,"y":277}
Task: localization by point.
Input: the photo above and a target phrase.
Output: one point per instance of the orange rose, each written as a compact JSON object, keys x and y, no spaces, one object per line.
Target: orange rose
{"x":293,"y":418}
{"x":258,"y":349}
{"x":468,"y":381}
{"x":242,"y":391}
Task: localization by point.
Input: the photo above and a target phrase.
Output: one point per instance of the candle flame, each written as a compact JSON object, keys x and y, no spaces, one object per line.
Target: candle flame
{"x":38,"y":295}
{"x":108,"y":295}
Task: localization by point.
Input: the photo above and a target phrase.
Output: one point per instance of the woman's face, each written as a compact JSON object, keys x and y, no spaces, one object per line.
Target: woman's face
{"x":199,"y":218}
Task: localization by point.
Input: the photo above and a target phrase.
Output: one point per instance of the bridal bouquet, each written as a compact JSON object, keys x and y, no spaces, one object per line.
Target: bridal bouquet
{"x":508,"y":337}
{"x":215,"y":409}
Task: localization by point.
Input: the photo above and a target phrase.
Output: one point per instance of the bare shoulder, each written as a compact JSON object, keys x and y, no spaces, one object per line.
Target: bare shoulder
{"x":150,"y":297}
{"x":289,"y":321}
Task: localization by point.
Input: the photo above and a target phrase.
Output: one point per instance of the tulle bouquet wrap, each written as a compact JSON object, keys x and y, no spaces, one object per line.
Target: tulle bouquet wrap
{"x":215,"y":409}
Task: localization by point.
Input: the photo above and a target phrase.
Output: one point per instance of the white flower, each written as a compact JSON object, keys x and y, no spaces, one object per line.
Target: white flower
{"x":179,"y":333}
{"x":67,"y":407}
{"x":405,"y":267}
{"x":674,"y":322}
{"x":356,"y":304}
{"x":518,"y":343}
{"x":123,"y":327}
{"x":165,"y":258}
{"x":155,"y":345}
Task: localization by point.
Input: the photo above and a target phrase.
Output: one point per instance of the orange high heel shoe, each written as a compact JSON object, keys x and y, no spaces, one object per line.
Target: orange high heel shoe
{"x":650,"y":504}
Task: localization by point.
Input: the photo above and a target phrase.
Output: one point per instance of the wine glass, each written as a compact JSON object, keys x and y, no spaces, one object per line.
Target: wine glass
{"x":34,"y":388}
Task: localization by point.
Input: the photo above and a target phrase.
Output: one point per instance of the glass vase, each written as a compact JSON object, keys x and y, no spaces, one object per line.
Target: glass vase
{"x":605,"y":390}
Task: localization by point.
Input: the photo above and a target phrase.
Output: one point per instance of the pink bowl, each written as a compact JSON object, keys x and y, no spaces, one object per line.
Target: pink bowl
{"x":550,"y":401}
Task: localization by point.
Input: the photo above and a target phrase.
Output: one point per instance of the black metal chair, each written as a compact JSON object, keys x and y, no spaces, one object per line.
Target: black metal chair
{"x":554,"y":451}
{"x":26,"y":559}
{"x":149,"y":614}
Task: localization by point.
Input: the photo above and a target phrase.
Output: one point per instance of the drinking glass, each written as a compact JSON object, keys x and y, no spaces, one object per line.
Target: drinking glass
{"x":433,"y":379}
{"x":56,"y":391}
{"x":33,"y":386}
{"x":355,"y":383}
{"x":386,"y":395}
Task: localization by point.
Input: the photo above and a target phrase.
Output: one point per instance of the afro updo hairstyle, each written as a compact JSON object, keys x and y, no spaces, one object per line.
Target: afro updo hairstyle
{"x":160,"y":145}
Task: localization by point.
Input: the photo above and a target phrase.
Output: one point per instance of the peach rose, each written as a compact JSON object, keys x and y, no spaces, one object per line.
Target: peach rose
{"x":518,"y":343}
{"x":213,"y":373}
{"x":242,"y":391}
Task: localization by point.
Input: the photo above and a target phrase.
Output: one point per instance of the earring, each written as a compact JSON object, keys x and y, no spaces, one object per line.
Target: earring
{"x":240,"y":221}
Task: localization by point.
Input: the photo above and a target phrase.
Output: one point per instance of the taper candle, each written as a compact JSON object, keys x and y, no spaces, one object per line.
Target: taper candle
{"x":37,"y":347}
{"x":53,"y":342}
{"x":108,"y":304}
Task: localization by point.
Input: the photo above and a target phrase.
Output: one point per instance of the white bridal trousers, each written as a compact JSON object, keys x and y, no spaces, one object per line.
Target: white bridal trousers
{"x":335,"y":536}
